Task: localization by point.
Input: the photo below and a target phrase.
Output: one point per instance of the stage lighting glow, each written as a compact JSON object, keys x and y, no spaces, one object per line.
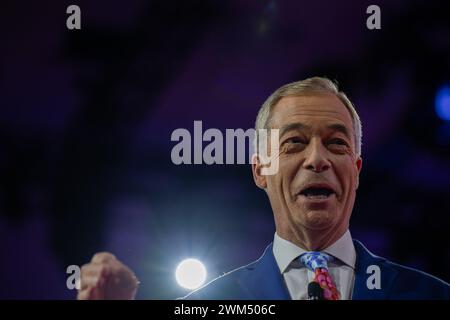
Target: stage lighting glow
{"x":190,"y":274}
{"x":442,"y":103}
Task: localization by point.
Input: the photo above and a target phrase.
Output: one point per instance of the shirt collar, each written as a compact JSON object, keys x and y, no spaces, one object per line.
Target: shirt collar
{"x":285,"y":251}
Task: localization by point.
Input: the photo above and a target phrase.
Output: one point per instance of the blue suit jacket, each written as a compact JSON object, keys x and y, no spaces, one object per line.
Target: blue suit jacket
{"x":262,"y":280}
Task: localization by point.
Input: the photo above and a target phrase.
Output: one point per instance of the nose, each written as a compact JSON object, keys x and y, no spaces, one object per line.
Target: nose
{"x":316,"y":157}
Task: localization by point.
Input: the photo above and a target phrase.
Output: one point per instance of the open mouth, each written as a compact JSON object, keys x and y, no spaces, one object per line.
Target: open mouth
{"x":317,"y":192}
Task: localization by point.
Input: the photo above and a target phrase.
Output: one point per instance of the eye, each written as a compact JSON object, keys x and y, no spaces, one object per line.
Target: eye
{"x":293,"y":145}
{"x":339,"y":142}
{"x":294,"y":140}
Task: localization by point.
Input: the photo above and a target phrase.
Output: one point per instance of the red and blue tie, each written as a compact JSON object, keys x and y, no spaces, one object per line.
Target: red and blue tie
{"x":317,"y":262}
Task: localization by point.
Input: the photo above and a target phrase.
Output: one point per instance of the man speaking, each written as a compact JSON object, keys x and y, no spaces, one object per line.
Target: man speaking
{"x":312,"y":194}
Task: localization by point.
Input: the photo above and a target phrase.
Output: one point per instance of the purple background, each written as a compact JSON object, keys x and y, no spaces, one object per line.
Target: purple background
{"x":86,"y":118}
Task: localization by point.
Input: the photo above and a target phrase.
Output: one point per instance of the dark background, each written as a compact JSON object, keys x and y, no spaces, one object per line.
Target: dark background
{"x":86,"y":117}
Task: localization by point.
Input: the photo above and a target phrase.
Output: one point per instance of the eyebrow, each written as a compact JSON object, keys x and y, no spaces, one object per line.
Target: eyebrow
{"x":300,"y":126}
{"x":292,"y":127}
{"x":340,"y":128}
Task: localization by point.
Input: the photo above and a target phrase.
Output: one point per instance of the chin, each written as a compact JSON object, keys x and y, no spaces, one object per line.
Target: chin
{"x":318,"y":220}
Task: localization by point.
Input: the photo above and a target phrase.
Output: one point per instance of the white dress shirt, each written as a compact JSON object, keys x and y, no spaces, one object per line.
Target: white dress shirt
{"x":297,"y":276}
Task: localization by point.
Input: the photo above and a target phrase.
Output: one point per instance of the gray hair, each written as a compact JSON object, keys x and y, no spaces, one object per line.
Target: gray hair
{"x":314,"y":85}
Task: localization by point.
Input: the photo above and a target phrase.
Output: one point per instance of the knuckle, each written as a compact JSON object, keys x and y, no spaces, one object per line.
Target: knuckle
{"x":85,"y":268}
{"x":102,"y":257}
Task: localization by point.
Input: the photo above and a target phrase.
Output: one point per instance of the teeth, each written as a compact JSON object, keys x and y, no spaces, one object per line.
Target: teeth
{"x":319,"y":196}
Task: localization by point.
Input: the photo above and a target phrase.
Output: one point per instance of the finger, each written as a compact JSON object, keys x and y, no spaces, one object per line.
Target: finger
{"x":84,"y":295}
{"x":103,"y":257}
{"x":92,"y":282}
{"x":91,"y":269}
{"x":97,"y":293}
{"x":91,"y":294}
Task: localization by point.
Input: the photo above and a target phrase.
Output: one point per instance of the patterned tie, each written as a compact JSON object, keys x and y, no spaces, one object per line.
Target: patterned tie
{"x":317,"y":263}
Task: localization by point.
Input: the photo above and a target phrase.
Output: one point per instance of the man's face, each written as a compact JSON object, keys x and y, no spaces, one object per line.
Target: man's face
{"x":317,"y":179}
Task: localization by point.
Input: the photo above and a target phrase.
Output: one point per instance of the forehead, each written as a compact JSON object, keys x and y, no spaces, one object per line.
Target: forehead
{"x":313,"y":110}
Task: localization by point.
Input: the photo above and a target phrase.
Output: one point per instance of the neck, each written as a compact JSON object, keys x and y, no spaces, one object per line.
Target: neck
{"x":313,"y":240}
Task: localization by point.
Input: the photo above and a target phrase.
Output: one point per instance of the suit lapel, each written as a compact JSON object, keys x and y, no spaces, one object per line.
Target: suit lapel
{"x":265,"y":282}
{"x":364,"y":259}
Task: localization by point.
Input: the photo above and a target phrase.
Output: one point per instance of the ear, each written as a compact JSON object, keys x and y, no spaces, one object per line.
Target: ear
{"x":358,"y":167}
{"x":260,"y":180}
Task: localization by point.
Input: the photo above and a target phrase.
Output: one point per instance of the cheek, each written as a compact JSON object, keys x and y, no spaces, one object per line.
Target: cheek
{"x":346,"y":173}
{"x":349,"y":182}
{"x":287,"y":170}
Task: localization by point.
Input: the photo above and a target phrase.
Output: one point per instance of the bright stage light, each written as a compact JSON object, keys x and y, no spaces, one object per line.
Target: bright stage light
{"x":190,"y":274}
